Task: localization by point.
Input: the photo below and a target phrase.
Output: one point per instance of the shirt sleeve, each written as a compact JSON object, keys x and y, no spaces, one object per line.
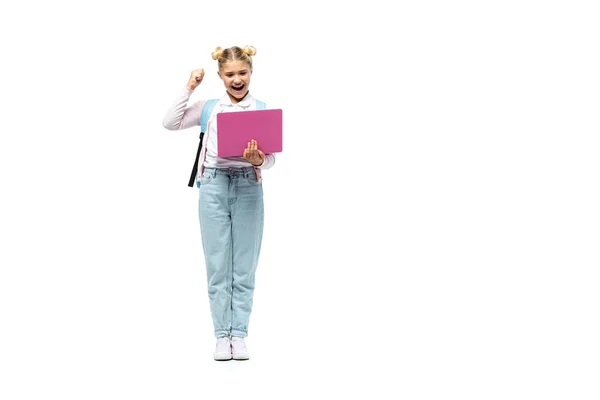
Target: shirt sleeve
{"x":179,"y":116}
{"x":268,"y":162}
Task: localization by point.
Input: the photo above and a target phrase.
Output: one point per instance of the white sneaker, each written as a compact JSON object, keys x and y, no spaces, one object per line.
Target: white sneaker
{"x":223,"y":349}
{"x":238,"y":349}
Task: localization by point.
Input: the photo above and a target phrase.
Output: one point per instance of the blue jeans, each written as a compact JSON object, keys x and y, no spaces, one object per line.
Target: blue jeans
{"x":231,"y":222}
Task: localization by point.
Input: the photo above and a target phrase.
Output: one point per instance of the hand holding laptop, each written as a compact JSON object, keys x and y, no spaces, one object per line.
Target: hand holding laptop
{"x":253,"y":154}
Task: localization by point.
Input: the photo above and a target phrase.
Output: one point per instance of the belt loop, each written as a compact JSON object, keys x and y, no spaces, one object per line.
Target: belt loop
{"x":258,"y":174}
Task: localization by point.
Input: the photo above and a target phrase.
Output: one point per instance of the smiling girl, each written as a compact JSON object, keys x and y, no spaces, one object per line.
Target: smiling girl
{"x":230,"y":202}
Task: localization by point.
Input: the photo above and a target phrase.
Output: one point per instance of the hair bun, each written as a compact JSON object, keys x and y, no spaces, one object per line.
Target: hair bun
{"x":249,"y":50}
{"x":217,"y":53}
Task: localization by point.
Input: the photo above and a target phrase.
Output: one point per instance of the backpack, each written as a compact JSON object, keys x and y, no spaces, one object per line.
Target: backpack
{"x":206,"y":111}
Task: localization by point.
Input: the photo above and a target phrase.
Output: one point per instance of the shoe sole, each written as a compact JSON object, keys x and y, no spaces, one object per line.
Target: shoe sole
{"x":222,"y":358}
{"x":241,"y":357}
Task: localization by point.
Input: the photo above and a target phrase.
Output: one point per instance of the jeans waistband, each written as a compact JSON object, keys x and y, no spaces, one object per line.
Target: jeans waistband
{"x":245,"y":171}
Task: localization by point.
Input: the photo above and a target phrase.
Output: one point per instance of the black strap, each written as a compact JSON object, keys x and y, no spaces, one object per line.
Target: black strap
{"x":195,"y":169}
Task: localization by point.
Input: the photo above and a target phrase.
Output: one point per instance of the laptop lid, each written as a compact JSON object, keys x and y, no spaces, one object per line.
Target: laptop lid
{"x":235,"y":129}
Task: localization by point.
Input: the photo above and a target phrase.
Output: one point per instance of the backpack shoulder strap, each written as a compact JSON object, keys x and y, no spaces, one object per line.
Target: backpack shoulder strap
{"x":206,"y":111}
{"x":204,"y":116}
{"x":260,"y":105}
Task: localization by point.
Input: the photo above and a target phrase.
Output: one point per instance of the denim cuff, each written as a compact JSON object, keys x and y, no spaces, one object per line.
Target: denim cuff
{"x":238,"y":333}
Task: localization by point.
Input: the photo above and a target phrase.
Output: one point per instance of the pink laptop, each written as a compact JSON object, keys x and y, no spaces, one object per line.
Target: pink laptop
{"x":236,"y":129}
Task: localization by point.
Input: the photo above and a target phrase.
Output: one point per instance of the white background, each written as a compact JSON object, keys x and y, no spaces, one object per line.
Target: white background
{"x":432,"y":226}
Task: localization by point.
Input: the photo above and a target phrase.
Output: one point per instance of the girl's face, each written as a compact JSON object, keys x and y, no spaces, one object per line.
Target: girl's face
{"x":236,"y":77}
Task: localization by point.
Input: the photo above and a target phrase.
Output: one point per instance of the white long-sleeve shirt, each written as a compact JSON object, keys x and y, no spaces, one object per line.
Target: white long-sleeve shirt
{"x":179,"y":117}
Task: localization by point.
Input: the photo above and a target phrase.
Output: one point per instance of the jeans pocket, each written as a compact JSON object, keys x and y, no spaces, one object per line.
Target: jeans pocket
{"x":207,"y":177}
{"x":251,"y":178}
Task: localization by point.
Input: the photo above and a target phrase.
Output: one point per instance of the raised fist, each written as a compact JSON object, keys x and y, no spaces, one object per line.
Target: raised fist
{"x":195,"y":78}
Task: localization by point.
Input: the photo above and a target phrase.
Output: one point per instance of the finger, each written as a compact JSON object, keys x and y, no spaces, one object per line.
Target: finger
{"x":252,"y":151}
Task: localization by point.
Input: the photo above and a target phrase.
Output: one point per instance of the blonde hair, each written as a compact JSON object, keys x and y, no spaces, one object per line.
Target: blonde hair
{"x":235,"y":53}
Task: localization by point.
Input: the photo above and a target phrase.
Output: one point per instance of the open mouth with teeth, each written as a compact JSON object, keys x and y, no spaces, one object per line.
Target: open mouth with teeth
{"x":238,"y":88}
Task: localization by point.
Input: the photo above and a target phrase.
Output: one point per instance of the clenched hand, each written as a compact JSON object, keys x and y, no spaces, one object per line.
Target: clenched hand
{"x":195,"y":78}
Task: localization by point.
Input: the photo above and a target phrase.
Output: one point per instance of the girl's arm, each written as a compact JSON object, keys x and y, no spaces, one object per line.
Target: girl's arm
{"x":268,"y":162}
{"x":178,"y":116}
